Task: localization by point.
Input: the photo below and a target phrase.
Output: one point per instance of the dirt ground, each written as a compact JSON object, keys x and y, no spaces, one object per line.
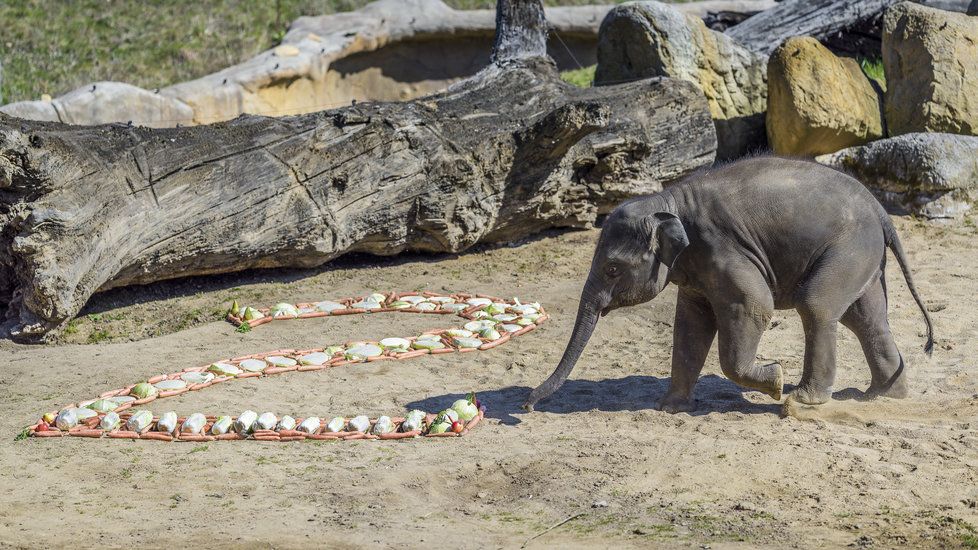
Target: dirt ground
{"x":733,"y":474}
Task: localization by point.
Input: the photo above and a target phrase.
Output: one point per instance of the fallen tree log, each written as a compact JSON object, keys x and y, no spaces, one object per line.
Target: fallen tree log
{"x":845,"y":27}
{"x":504,"y":154}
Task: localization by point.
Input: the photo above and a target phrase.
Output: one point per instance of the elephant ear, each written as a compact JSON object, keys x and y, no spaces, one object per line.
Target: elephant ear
{"x":669,"y":239}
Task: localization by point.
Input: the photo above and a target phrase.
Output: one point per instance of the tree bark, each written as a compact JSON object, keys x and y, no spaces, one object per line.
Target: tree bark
{"x":506,"y":153}
{"x":846,"y":27}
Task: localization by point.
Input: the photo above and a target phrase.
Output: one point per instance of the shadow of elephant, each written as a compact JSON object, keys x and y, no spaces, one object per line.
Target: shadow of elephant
{"x":715,"y":394}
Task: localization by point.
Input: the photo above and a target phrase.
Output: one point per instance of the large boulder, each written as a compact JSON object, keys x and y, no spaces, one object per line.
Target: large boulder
{"x":930,"y":58}
{"x":818,"y":103}
{"x":933,"y":175}
{"x":647,"y":39}
{"x":973,"y":8}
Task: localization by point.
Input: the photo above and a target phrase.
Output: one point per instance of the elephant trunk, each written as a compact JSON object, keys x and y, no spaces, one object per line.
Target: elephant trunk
{"x":587,"y":319}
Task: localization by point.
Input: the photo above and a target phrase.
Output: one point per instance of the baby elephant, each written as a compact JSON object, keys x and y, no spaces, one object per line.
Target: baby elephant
{"x":741,"y":241}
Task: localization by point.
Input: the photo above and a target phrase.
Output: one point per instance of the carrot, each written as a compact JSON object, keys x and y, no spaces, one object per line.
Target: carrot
{"x":201,"y":386}
{"x":49,"y":433}
{"x":322,"y":437}
{"x":310,"y":368}
{"x":248,"y":375}
{"x":471,"y":424}
{"x":171,"y":393}
{"x":157,"y":436}
{"x":401,"y":435}
{"x":268,"y":438}
{"x":348,"y":311}
{"x":141,"y":401}
{"x":86,"y":433}
{"x":195,"y":437}
{"x":291,"y":433}
{"x":228,"y":437}
{"x":494,"y":343}
{"x":415,"y":353}
{"x":279,"y":370}
{"x":355,"y":436}
{"x":293,"y":438}
{"x":123,"y":434}
{"x":444,"y":434}
{"x":312,"y":314}
{"x":157,"y":378}
{"x":442,"y":350}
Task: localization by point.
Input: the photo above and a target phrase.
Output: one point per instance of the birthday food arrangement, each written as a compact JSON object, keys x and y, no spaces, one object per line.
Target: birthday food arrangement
{"x":124,"y":414}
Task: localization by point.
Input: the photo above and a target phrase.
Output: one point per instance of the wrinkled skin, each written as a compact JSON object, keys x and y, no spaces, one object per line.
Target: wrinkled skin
{"x":740,"y":241}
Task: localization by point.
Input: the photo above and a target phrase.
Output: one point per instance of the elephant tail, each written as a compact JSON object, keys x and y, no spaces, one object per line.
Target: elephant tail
{"x":893,"y":243}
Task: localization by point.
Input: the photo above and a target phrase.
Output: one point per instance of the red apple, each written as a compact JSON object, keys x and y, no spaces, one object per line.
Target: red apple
{"x":458,"y":426}
{"x":42,"y":427}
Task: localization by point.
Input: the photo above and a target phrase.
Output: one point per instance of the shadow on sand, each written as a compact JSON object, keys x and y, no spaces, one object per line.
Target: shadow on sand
{"x":631,"y":393}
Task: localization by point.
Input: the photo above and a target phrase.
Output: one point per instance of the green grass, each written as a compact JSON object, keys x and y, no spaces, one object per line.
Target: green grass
{"x":873,"y":68}
{"x":582,"y":78}
{"x":54,"y":46}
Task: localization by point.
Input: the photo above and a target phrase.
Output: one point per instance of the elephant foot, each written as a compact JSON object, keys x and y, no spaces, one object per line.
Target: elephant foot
{"x":673,"y":404}
{"x":796,"y":408}
{"x":766,"y":378}
{"x":897,"y":390}
{"x":810,"y":396}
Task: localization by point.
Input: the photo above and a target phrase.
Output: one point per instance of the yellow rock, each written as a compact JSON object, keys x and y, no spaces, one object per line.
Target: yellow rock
{"x":818,"y":103}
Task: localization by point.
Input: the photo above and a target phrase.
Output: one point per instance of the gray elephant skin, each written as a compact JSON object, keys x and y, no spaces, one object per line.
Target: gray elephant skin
{"x":741,"y":241}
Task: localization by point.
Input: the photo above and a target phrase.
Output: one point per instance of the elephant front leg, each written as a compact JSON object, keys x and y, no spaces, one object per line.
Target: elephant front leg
{"x":740,"y":334}
{"x":693,"y":333}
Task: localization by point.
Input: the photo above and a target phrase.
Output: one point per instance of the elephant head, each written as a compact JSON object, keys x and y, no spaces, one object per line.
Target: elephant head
{"x":637,"y":248}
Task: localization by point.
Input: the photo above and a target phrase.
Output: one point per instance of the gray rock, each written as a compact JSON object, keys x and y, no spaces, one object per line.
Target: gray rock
{"x":647,"y":39}
{"x":973,"y":8}
{"x":930,"y":57}
{"x":933,"y":175}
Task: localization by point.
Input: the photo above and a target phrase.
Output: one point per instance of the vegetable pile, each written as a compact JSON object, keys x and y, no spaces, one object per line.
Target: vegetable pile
{"x":119,"y":414}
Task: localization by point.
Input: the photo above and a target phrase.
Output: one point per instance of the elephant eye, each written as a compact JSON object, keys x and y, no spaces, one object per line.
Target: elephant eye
{"x":611,"y":270}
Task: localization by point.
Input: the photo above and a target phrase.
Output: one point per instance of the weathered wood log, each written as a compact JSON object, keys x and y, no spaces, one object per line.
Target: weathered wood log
{"x":844,"y":26}
{"x":506,"y":153}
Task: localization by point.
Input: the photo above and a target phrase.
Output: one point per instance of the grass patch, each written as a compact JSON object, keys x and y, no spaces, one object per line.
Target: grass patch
{"x":582,"y":78}
{"x":99,"y":335}
{"x":873,"y":69}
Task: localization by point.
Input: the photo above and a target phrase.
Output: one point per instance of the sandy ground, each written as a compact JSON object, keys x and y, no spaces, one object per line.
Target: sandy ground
{"x":731,"y":475}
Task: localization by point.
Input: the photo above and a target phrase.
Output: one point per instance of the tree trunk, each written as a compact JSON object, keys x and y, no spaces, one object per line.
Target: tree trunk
{"x":506,"y":153}
{"x":846,"y":27}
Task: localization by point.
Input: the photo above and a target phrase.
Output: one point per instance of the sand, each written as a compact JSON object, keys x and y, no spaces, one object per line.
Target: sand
{"x":733,"y":474}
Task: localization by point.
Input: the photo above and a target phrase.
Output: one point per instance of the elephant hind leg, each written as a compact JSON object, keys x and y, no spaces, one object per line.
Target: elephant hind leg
{"x":866,"y":318}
